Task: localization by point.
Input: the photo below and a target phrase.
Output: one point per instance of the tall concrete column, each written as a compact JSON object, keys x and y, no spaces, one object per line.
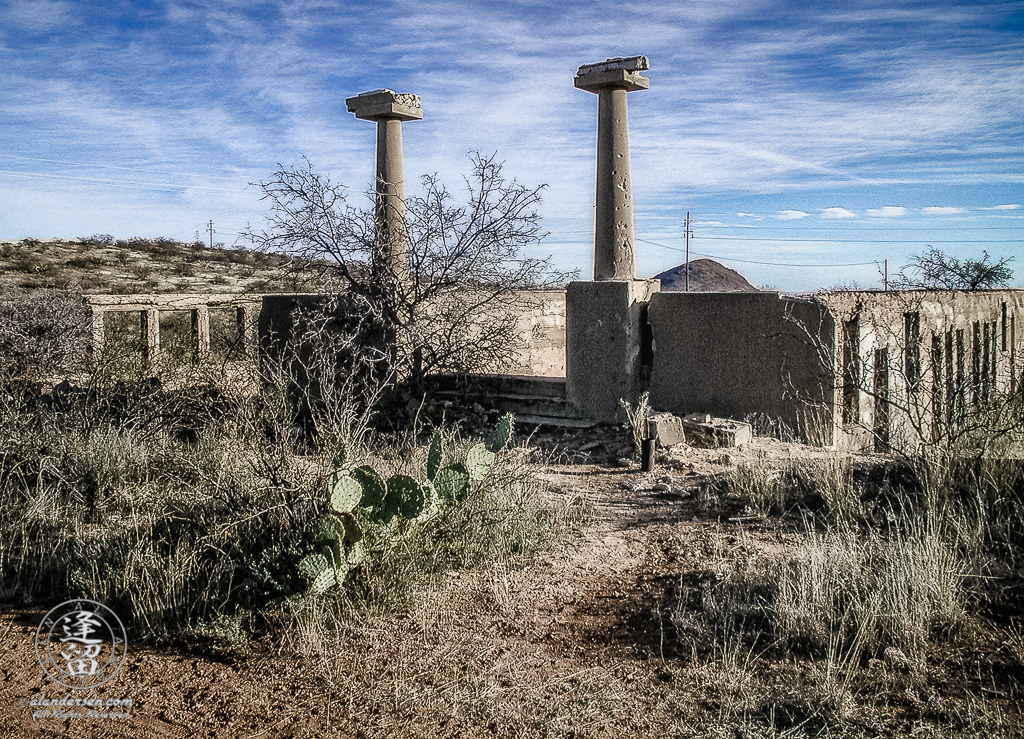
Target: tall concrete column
{"x":389,"y":109}
{"x":614,"y":224}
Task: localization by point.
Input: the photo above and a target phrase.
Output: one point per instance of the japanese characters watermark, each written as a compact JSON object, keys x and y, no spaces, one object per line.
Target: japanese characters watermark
{"x":81,"y":644}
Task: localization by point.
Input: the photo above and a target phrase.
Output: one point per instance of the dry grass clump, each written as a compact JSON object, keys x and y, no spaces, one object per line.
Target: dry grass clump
{"x":862,"y":600}
{"x":866,"y":592}
{"x":768,"y":489}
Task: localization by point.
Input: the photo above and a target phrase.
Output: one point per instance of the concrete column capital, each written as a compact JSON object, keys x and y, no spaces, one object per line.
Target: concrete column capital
{"x":378,"y":105}
{"x":619,"y":72}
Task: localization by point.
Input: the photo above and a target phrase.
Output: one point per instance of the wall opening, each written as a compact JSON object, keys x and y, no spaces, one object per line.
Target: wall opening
{"x":1002,"y":311}
{"x":950,"y":380}
{"x":986,"y":359}
{"x":1013,"y":353}
{"x":961,"y":375}
{"x":851,"y":372}
{"x":912,"y":351}
{"x":976,"y":365}
{"x":881,"y":393}
{"x":938,"y":407}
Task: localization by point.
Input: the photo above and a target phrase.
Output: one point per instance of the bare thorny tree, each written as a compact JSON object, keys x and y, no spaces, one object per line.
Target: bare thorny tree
{"x":454,"y":307}
{"x":936,"y":270}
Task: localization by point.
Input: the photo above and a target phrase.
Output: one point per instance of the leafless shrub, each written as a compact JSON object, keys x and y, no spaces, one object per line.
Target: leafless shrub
{"x":454,"y":311}
{"x":43,"y":333}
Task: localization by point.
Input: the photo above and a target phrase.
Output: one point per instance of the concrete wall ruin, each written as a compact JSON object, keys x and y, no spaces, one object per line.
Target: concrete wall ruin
{"x":737,"y":354}
{"x":856,"y":369}
{"x":914,"y":365}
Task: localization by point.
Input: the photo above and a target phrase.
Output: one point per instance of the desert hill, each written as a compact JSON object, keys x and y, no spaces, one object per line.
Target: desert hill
{"x":101,"y":264}
{"x":706,"y":276}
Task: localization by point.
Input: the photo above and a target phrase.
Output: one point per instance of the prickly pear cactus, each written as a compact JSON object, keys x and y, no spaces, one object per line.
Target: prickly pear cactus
{"x":346,"y":492}
{"x":435,"y":456}
{"x":478,"y":461}
{"x":409,"y":495}
{"x":452,"y":483}
{"x":502,"y":435}
{"x":372,"y":485}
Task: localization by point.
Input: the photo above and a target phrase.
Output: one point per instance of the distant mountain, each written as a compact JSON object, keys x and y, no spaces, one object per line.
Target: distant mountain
{"x":706,"y":276}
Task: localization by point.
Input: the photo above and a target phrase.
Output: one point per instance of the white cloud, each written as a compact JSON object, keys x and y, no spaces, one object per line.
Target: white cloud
{"x":1007,"y":206}
{"x":791,"y":215}
{"x":941,"y":210}
{"x":887,"y":211}
{"x":836,"y":213}
{"x":39,"y":15}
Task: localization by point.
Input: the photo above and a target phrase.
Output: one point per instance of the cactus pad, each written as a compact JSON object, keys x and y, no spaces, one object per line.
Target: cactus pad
{"x":501,"y":437}
{"x":345,"y":490}
{"x":435,"y":455}
{"x":452,"y":483}
{"x":478,"y":461}
{"x":328,"y":528}
{"x":372,"y":485}
{"x":353,"y":531}
{"x":356,"y":554}
{"x":311,"y":566}
{"x":324,"y":581}
{"x":409,"y":495}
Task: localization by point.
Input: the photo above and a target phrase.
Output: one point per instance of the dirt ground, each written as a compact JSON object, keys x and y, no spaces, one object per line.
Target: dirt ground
{"x":573,"y":642}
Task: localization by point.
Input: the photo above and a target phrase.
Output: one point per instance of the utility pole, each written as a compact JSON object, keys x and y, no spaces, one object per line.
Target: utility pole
{"x":211,"y":233}
{"x":886,"y":276}
{"x":687,"y":233}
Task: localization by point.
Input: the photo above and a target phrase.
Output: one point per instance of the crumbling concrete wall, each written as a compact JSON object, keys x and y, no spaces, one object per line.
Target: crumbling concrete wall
{"x":541,"y":330}
{"x":911,"y":364}
{"x":733,"y":355}
{"x":538,"y":317}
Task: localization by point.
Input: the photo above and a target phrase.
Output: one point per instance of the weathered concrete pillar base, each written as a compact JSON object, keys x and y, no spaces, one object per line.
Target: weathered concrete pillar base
{"x":246,"y":317}
{"x":201,"y":331}
{"x":97,"y":334}
{"x":150,"y":329}
{"x":607,"y":345}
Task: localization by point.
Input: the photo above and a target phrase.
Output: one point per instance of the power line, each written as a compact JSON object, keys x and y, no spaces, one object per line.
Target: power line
{"x":751,"y":261}
{"x":865,"y":241}
{"x":945,"y":227}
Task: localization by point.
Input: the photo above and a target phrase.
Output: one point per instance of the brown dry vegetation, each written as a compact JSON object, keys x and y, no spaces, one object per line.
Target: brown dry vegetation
{"x":101,"y":264}
{"x":774,"y":590}
{"x":651,"y":615}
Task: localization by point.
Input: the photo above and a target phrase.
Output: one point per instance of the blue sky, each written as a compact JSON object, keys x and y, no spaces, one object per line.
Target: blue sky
{"x":798,"y":134}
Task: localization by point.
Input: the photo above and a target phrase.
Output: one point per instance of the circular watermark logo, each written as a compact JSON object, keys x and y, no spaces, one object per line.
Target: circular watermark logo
{"x":81,"y":644}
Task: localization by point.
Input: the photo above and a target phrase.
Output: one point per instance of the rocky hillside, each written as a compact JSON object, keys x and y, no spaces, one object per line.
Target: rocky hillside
{"x":101,"y":264}
{"x":706,"y":276}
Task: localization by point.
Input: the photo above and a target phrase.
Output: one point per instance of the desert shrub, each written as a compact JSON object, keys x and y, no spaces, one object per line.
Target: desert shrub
{"x":85,"y":262}
{"x":42,"y":333}
{"x":98,"y":240}
{"x":761,"y":485}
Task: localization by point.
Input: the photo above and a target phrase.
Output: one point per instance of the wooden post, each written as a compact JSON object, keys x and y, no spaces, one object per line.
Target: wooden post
{"x":647,"y":455}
